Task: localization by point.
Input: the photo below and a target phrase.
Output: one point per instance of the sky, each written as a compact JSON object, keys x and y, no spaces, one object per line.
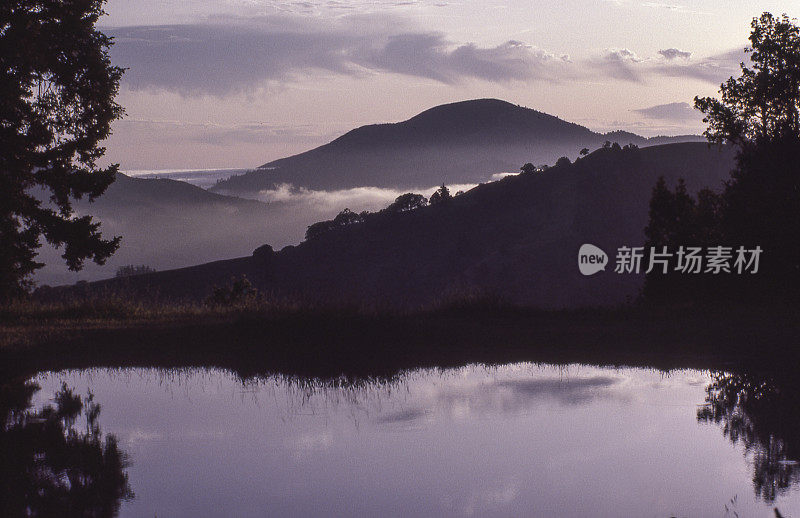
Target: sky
{"x":237,"y":83}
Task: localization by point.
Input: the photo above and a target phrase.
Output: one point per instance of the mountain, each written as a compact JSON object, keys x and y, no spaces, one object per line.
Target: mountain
{"x":516,"y":238}
{"x":165,"y":224}
{"x":464,"y":142}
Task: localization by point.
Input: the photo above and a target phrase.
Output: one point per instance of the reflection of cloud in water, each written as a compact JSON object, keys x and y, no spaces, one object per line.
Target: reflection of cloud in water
{"x":509,"y":396}
{"x":403,"y":416}
{"x":485,"y":500}
{"x":572,"y":392}
{"x":312,"y":442}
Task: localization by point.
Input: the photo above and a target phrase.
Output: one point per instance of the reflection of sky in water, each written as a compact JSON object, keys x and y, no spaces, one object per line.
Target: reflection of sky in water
{"x":521,"y":440}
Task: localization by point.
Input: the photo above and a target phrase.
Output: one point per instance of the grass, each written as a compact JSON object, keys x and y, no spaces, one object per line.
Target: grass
{"x":257,"y":335}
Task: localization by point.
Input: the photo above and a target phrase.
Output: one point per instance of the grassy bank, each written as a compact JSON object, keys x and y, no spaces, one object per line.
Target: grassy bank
{"x":259,"y":337}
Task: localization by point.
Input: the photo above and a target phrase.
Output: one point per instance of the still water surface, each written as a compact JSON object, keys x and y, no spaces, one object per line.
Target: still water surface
{"x":516,"y":440}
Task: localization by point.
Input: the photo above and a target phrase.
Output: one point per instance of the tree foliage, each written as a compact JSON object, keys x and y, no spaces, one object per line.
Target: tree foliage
{"x":57,"y":90}
{"x":407,"y":201}
{"x":563,"y":162}
{"x":763,"y":103}
{"x":442,"y":195}
{"x":760,"y":204}
{"x":343,"y":219}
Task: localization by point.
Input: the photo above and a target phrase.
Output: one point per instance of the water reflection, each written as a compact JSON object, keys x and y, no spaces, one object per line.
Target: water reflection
{"x":55,"y":460}
{"x":761,"y":413}
{"x":521,"y":439}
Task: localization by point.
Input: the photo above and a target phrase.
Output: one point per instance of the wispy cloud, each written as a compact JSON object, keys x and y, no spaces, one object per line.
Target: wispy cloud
{"x":672,"y":111}
{"x":713,"y":69}
{"x":621,"y":64}
{"x":626,"y":65}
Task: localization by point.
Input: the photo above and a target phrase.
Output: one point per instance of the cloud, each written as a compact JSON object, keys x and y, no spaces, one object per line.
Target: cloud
{"x":713,"y":69}
{"x":673,"y":53}
{"x":229,"y":55}
{"x":431,"y":56}
{"x":621,"y":64}
{"x":626,"y":65}
{"x":178,"y":132}
{"x":671,"y":111}
{"x":219,"y":59}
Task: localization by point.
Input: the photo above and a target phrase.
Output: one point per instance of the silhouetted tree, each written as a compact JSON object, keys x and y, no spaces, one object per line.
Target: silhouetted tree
{"x":347,"y":217}
{"x":760,"y":205}
{"x":584,"y":151}
{"x":528,"y":168}
{"x":317,"y":229}
{"x":343,"y":219}
{"x":563,"y":162}
{"x":442,"y":195}
{"x":408,"y":201}
{"x":761,"y":105}
{"x":678,"y":220}
{"x":57,"y":89}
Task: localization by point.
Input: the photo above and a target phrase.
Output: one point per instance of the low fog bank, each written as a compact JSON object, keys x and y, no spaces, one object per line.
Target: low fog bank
{"x":165,"y":230}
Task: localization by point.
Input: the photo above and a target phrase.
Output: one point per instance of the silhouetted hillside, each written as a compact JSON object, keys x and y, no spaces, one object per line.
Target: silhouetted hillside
{"x":516,"y":239}
{"x":464,"y":142}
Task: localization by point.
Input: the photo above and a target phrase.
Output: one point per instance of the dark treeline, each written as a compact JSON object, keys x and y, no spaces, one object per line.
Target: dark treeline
{"x":759,"y":115}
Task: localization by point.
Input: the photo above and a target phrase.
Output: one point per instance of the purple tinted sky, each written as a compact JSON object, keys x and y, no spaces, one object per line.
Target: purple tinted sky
{"x":235,"y":83}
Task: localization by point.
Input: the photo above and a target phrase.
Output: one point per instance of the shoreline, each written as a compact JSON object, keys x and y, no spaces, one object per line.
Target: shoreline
{"x":334,"y":343}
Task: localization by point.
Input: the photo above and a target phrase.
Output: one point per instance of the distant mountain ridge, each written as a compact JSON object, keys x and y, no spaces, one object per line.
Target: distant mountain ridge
{"x":463,"y":142}
{"x":165,"y":224}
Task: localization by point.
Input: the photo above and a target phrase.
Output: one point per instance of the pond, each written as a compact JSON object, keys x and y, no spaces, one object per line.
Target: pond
{"x":514,"y":440}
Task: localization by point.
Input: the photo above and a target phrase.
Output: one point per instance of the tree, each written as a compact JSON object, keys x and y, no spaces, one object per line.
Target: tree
{"x":442,"y":195}
{"x":763,"y":103}
{"x":57,"y":90}
{"x":347,"y":217}
{"x":760,"y":205}
{"x":407,"y":201}
{"x":563,"y":162}
{"x":343,"y":219}
{"x":318,"y":229}
{"x":758,"y":113}
{"x":584,"y":151}
{"x":678,"y":220}
{"x":528,"y":168}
